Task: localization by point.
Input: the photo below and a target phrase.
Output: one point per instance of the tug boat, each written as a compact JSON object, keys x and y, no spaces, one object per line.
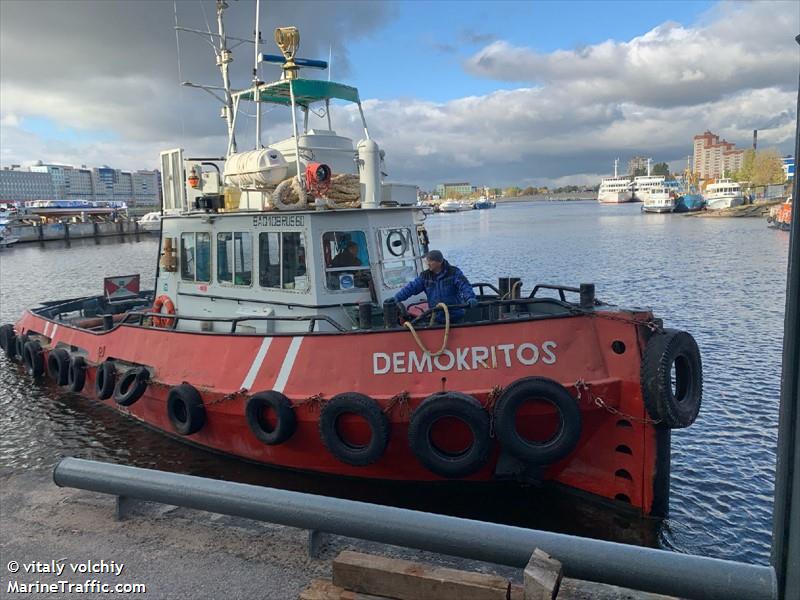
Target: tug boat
{"x":272,"y":334}
{"x":780,"y":217}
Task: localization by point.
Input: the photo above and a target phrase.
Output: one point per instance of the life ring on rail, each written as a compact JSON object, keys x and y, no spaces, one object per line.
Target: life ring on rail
{"x":8,"y":341}
{"x":33,"y":358}
{"x":76,"y":376}
{"x":350,"y":452}
{"x":105,"y":378}
{"x":131,"y":386}
{"x":58,"y":366}
{"x":185,"y":409}
{"x":506,"y":416}
{"x":672,"y":378}
{"x":166,"y":303}
{"x":450,"y":462}
{"x":286,"y":421}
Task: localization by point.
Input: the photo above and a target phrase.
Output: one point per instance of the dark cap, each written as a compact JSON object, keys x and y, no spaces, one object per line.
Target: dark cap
{"x":434,"y":255}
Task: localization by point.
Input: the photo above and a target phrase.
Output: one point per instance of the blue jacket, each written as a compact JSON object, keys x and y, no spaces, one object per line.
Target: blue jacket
{"x":450,"y":286}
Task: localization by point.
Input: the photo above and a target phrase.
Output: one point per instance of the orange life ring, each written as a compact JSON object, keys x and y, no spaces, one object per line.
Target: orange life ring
{"x":165,"y":302}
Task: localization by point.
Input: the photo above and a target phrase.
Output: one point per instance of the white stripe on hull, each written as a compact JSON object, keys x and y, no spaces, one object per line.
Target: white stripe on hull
{"x":255,"y":367}
{"x":288,"y":364}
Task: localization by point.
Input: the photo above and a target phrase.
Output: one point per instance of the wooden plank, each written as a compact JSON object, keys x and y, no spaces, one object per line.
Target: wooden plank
{"x":406,"y":580}
{"x":542,"y":576}
{"x":575,"y":589}
{"x":323,"y":589}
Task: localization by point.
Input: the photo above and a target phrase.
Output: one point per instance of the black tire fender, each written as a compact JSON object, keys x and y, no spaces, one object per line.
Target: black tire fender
{"x":279,"y":404}
{"x":76,"y":376}
{"x":131,"y":386}
{"x":366,"y":408}
{"x":674,"y":408}
{"x":8,"y":341}
{"x":459,"y":406}
{"x":33,"y":358}
{"x":546,"y":452}
{"x":20,"y":342}
{"x":105,"y":380}
{"x":185,"y":409}
{"x":58,"y":366}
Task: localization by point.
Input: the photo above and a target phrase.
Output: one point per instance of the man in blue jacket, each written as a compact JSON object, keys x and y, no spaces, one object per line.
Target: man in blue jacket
{"x":441,"y":282}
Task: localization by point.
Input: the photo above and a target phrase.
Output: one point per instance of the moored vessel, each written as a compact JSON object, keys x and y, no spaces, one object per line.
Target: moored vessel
{"x":723,"y":193}
{"x":272,"y":334}
{"x":780,"y":217}
{"x":615,"y":190}
{"x":151,"y":222}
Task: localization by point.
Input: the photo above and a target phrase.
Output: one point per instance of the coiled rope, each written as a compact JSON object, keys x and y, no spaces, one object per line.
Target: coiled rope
{"x":414,"y":333}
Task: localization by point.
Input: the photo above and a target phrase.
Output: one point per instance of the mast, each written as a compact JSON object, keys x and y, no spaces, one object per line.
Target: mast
{"x":224,"y":58}
{"x":616,"y":161}
{"x":649,"y":160}
{"x":256,"y":91}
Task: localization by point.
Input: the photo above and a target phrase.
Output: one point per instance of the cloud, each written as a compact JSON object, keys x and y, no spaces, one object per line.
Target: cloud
{"x":111,"y":66}
{"x":743,"y":46}
{"x":572,"y":113}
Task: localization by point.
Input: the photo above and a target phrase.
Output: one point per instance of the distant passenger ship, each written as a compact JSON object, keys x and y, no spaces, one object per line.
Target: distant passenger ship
{"x":724,"y":193}
{"x":614,"y":190}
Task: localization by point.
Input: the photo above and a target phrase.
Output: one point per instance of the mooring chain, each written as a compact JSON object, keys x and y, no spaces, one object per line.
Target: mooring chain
{"x":600,"y":403}
{"x":313,"y":402}
{"x":227,"y":397}
{"x":491,"y":401}
{"x":400,"y":400}
{"x":651,"y":324}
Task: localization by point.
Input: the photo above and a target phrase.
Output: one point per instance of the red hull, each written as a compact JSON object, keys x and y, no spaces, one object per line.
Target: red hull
{"x":619,"y":456}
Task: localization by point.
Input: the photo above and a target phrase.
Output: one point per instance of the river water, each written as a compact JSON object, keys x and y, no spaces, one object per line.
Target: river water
{"x":723,"y":280}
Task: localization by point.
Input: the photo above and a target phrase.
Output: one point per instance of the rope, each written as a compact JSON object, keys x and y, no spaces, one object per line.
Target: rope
{"x":510,"y":293}
{"x":414,"y":333}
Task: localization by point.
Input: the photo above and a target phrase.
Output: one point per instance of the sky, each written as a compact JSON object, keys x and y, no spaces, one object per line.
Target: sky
{"x":496,"y":93}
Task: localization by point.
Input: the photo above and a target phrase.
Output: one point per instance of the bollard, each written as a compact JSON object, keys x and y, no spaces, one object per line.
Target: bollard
{"x":390,"y":313}
{"x":587,"y":295}
{"x":108,"y":322}
{"x":365,"y":315}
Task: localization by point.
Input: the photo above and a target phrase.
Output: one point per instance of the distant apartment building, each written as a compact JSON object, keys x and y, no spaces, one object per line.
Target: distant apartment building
{"x":17,"y":185}
{"x":50,"y":181}
{"x":451,"y":190}
{"x":637,"y":163}
{"x":713,"y":157}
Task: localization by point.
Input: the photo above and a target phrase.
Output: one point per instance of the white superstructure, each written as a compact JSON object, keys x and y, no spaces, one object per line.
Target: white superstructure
{"x":724,"y":193}
{"x":614,"y":190}
{"x":661,"y":198}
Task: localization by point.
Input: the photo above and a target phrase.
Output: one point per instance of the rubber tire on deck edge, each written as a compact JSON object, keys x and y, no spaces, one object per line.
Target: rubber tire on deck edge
{"x":366,"y":408}
{"x":281,"y":406}
{"x":33,"y":358}
{"x":76,"y":378}
{"x":661,"y":352}
{"x":462,"y":407}
{"x":186,"y":399}
{"x":105,"y":378}
{"x":131,"y":386}
{"x":20,"y":343}
{"x":505,"y":421}
{"x":58,"y":366}
{"x":8,"y":341}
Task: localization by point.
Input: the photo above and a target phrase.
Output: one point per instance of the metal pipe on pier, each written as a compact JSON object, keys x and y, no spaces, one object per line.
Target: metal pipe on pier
{"x":640,"y":568}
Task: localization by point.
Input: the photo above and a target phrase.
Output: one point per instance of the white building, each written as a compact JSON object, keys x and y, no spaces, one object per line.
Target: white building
{"x":17,"y":185}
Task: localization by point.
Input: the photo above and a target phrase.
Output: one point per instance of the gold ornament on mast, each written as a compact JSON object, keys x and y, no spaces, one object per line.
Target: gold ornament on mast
{"x":288,"y":40}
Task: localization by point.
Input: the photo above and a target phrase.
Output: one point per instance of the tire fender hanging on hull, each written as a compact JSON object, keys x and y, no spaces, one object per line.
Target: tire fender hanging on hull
{"x":365,"y":407}
{"x":453,"y":405}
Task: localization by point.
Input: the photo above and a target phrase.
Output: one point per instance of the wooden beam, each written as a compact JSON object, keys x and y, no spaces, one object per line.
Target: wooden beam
{"x":406,"y":580}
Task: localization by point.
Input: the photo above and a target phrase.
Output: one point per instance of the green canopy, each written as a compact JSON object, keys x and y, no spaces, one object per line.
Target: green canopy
{"x":306,"y":91}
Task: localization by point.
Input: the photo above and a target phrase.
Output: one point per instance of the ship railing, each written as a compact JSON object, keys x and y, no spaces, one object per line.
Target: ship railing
{"x":138,"y":317}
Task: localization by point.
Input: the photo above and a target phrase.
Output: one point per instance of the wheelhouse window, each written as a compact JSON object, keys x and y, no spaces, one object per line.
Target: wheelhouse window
{"x":196,"y":257}
{"x":282,"y":260}
{"x":397,"y":254}
{"x":346,"y":260}
{"x":235,"y":258}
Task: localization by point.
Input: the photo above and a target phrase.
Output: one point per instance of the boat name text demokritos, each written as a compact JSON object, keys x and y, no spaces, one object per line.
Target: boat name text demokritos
{"x":470,"y":358}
